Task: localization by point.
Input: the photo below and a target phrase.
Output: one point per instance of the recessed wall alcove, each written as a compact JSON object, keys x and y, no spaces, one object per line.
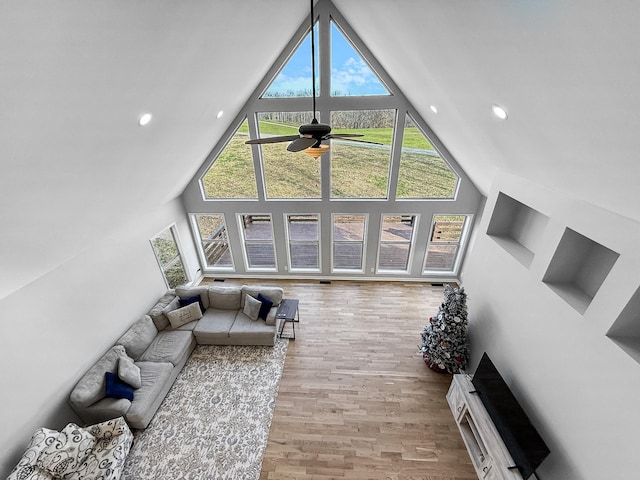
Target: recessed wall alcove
{"x":517,"y":228}
{"x":625,"y":331}
{"x":578,"y":269}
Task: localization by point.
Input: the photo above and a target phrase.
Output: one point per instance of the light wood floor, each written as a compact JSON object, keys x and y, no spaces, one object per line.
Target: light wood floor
{"x":356,"y":401}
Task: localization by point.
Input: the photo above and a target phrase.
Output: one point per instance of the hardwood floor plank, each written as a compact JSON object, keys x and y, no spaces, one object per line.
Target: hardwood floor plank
{"x":356,"y":401}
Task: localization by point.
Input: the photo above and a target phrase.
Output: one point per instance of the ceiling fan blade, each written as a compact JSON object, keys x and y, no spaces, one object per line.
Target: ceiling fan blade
{"x":285,"y":138}
{"x":348,"y":139}
{"x":301,"y":143}
{"x":344,"y":135}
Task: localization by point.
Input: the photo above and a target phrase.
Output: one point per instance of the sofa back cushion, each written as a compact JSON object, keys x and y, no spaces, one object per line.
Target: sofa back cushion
{"x":91,"y":387}
{"x":274,"y":294}
{"x":225,"y":298}
{"x":202,"y":292}
{"x":139,"y":336}
{"x":157,"y":312}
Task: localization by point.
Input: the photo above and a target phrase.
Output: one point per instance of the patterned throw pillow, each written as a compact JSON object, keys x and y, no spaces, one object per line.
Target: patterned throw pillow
{"x":184,"y":315}
{"x":70,"y":448}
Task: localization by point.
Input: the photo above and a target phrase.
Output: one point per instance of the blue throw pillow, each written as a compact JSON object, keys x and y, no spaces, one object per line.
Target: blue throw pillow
{"x":116,"y":388}
{"x":189,"y":300}
{"x":265,"y":307}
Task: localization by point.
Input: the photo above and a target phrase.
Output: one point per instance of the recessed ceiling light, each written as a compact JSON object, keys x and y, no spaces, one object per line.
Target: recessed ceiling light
{"x":220,"y":113}
{"x":499,"y":112}
{"x":434,"y":109}
{"x":144,"y":119}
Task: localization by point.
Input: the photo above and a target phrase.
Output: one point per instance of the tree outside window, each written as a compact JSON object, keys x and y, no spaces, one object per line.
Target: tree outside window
{"x":165,"y":247}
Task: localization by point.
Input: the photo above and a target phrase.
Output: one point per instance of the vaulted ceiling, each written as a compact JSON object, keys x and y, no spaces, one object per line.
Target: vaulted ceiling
{"x":75,"y":76}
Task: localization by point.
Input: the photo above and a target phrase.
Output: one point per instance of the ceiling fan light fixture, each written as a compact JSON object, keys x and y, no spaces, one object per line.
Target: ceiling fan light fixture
{"x":315,"y":152}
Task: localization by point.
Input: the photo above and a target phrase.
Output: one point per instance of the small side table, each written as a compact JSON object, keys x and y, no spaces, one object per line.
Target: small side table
{"x":288,"y":313}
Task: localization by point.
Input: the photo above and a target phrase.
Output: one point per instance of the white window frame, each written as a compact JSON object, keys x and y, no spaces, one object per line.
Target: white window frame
{"x":309,"y":242}
{"x":200,"y":247}
{"x":412,"y":243}
{"x":364,"y":243}
{"x":173,"y":230}
{"x":245,"y":256}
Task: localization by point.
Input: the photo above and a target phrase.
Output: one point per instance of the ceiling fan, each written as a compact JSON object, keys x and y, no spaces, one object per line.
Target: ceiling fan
{"x":312,"y":134}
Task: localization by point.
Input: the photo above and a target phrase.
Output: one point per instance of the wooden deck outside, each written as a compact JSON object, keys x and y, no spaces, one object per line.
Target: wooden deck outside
{"x":394,"y":252}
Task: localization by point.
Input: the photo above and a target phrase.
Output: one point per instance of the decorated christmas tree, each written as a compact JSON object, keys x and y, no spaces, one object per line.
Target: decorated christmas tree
{"x":444,"y":339}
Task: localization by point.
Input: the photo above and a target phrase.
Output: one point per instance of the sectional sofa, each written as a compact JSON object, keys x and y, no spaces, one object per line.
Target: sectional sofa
{"x":132,"y":378}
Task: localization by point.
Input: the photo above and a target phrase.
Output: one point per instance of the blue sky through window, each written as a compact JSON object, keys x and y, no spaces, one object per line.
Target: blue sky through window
{"x":350,"y":74}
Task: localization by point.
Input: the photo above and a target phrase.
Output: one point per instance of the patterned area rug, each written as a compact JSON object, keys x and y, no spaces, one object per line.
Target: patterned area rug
{"x":214,"y":422}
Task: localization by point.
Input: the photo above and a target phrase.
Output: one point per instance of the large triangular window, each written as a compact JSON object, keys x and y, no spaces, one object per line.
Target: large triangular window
{"x":370,"y":168}
{"x":351,"y":75}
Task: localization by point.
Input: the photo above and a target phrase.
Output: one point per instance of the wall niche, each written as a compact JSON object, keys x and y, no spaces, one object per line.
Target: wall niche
{"x":517,"y":228}
{"x":578,"y":269}
{"x":625,"y":331}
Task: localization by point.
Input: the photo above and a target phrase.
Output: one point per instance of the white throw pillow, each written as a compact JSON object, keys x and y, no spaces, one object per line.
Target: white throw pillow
{"x":129,"y":372}
{"x":251,"y":307}
{"x":183,"y":315}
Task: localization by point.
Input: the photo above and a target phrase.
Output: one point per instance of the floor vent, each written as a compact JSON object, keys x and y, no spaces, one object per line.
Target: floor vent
{"x":437,"y":284}
{"x":218,"y":279}
{"x":325,"y":282}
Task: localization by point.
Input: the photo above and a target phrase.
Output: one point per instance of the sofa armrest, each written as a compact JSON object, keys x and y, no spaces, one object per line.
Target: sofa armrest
{"x":102,"y":410}
{"x":27,"y":468}
{"x":109,"y":428}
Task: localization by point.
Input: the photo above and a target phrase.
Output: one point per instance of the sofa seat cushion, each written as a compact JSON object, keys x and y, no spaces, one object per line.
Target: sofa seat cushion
{"x":91,"y":387}
{"x":246,"y":331}
{"x":167,"y":346}
{"x":138,"y":337}
{"x":214,"y":326}
{"x":154,"y":377}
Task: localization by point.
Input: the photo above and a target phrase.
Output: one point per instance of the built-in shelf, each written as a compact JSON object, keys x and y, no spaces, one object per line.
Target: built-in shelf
{"x":625,"y":331}
{"x":578,"y":269}
{"x":517,"y":228}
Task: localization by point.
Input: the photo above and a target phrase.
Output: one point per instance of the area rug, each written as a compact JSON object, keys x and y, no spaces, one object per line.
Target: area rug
{"x":215,"y":420}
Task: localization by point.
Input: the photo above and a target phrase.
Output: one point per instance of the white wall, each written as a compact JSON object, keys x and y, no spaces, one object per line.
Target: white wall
{"x":53,"y":329}
{"x":579,"y":388}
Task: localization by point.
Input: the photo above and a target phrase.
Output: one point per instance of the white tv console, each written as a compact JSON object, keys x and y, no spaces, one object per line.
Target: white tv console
{"x":488,"y":453}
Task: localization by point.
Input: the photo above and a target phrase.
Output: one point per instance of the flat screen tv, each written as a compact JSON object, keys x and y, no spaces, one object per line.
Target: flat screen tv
{"x":525,"y":445}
